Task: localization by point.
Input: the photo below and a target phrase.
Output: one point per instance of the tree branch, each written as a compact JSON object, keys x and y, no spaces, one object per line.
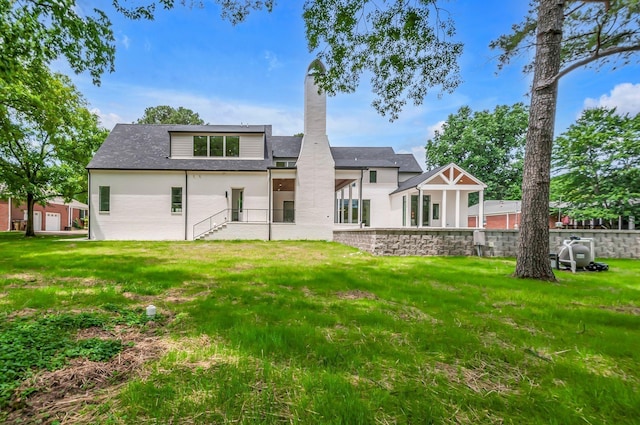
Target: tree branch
{"x":597,"y":55}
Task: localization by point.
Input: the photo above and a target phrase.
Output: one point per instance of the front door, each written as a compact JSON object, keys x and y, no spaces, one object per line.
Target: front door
{"x":237,"y":196}
{"x":426,"y":204}
{"x":289,"y":212}
{"x":414,"y":210}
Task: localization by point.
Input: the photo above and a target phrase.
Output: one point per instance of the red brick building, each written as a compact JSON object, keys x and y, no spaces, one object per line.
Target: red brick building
{"x":56,"y":215}
{"x":501,"y":215}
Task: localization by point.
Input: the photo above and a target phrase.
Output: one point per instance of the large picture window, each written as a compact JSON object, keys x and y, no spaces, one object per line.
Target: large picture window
{"x":232,"y":146}
{"x":216,"y":146}
{"x":199,"y":145}
{"x":176,"y":199}
{"x":104,"y":201}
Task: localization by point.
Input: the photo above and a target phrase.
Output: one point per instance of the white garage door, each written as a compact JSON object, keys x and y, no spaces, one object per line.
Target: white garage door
{"x":37,"y":221}
{"x":52,"y":223}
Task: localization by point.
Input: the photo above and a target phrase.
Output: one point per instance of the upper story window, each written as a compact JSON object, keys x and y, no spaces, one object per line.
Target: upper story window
{"x":285,"y":164}
{"x":216,"y":146}
{"x":373,"y":176}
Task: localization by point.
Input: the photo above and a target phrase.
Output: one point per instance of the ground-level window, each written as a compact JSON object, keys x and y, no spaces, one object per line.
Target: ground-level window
{"x":104,"y":198}
{"x":366,"y":212}
{"x":414,"y":210}
{"x":436,"y":212}
{"x":373,"y":176}
{"x":426,"y":204}
{"x":404,"y":211}
{"x":176,"y":199}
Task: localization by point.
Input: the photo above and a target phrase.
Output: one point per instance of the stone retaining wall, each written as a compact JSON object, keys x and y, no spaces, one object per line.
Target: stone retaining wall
{"x":499,"y":243}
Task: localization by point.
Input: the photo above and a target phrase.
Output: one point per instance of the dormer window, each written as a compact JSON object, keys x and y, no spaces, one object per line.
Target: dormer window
{"x":216,"y":146}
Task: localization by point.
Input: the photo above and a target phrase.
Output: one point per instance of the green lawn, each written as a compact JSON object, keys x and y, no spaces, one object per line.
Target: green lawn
{"x":309,"y":333}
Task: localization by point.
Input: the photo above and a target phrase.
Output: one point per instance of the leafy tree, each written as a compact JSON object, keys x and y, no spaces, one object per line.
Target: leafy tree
{"x":46,"y":140}
{"x":490,"y":145}
{"x":567,"y":35}
{"x":164,"y":114}
{"x":598,"y":159}
{"x":45,"y":30}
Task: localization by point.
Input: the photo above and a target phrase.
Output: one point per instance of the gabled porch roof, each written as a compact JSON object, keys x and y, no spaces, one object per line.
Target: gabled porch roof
{"x":447,"y":176}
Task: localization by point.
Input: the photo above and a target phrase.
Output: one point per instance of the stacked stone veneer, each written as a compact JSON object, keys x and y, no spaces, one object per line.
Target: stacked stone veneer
{"x":499,"y":243}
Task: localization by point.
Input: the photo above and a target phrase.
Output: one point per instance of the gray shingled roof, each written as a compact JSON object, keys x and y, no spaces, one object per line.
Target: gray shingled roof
{"x":408,"y":163}
{"x":286,"y":146}
{"x":381,"y":157}
{"x":146,"y":147}
{"x":415,"y":181}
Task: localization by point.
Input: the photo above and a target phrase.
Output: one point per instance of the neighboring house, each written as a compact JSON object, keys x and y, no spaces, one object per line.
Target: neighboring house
{"x":184,"y":182}
{"x":498,"y":214}
{"x":501,"y":214}
{"x":56,"y":215}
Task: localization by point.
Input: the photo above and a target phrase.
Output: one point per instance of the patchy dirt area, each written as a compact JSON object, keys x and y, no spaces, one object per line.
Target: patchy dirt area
{"x":481,"y":379}
{"x":59,"y":396}
{"x":356,"y":294}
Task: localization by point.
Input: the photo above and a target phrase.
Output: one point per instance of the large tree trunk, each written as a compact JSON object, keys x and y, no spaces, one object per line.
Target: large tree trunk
{"x":30,"y":202}
{"x":533,"y":245}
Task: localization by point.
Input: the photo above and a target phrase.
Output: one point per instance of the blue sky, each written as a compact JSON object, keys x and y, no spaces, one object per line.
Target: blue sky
{"x":253,"y":73}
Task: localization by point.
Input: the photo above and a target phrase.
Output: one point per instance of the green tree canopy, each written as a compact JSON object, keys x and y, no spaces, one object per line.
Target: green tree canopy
{"x":489,"y":145}
{"x":43,"y":31}
{"x":598,"y":162}
{"x":164,"y":114}
{"x":46,"y":139}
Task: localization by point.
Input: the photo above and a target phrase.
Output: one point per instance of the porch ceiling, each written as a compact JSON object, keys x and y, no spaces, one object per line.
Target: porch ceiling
{"x":283,"y":185}
{"x":340,"y":183}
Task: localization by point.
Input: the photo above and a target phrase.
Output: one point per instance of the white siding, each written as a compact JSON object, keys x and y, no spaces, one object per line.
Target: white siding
{"x":181,"y":146}
{"x":210,"y":193}
{"x":252,"y":146}
{"x":140,"y":206}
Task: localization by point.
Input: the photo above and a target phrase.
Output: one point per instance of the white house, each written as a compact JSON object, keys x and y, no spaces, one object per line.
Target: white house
{"x":186,"y":182}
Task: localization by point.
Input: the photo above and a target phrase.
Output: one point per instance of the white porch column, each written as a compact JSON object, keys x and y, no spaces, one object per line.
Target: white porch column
{"x":420,"y":212}
{"x":480,"y":222}
{"x":360,"y":199}
{"x":457,"y":209}
{"x":342,"y":205}
{"x":350,"y":209}
{"x":335,"y":207}
{"x":444,"y":208}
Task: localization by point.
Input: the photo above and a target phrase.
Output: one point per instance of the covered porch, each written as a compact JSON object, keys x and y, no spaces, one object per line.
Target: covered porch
{"x":437,"y":199}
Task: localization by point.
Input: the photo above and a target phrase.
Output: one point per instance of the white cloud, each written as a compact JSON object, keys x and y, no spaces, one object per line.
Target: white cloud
{"x":431,"y":130}
{"x":126,"y":42}
{"x":625,"y":97}
{"x":107,"y":120}
{"x":272,"y":60}
{"x":285,"y":120}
